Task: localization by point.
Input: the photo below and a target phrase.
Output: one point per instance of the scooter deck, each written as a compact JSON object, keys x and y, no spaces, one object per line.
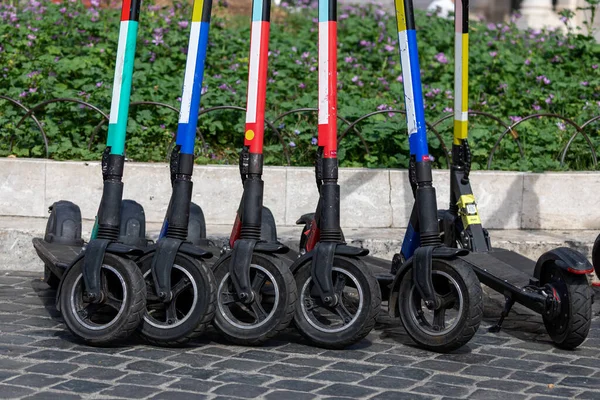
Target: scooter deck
{"x":56,"y":256}
{"x":500,"y":269}
{"x":379,"y":266}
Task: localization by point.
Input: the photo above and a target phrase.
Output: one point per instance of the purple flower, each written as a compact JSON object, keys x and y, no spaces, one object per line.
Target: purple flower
{"x":543,"y":78}
{"x":389,"y":48}
{"x":349,"y":59}
{"x":152,"y":57}
{"x":382,"y":107}
{"x":515,"y":119}
{"x":441,"y":58}
{"x":400,"y":79}
{"x":158,"y":40}
{"x":564,"y":19}
{"x":306,"y":54}
{"x":23,"y":94}
{"x":183,"y":24}
{"x":355,"y":79}
{"x":179,"y":99}
{"x":314,"y":141}
{"x":204,"y":90}
{"x":62,"y":10}
{"x":162,"y":126}
{"x":296,"y":131}
{"x":301,"y":85}
{"x":584,"y":83}
{"x":294,"y":49}
{"x":595,"y":66}
{"x":536,"y":107}
{"x":223,"y":86}
{"x":292,"y":144}
{"x":99,"y":84}
{"x":560,"y":125}
{"x":448,"y":110}
{"x":493,"y":54}
{"x":527,"y":62}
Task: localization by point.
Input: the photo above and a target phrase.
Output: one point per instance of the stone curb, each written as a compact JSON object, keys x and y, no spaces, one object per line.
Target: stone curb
{"x":371,"y":198}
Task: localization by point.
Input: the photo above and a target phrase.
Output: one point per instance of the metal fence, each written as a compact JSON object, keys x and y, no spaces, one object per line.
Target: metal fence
{"x":348,"y":127}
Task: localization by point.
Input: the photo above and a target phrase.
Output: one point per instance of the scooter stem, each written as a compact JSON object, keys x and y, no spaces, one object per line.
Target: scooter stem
{"x":108,"y":217}
{"x":461,"y":70}
{"x":182,"y":158}
{"x":251,"y":159}
{"x":426,"y":205}
{"x":327,"y":163}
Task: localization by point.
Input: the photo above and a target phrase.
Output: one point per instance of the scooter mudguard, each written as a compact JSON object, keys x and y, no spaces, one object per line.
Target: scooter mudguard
{"x":132,"y":229}
{"x":565,"y":258}
{"x":271,"y":247}
{"x":194,"y":251}
{"x":64,"y":224}
{"x":305,"y":219}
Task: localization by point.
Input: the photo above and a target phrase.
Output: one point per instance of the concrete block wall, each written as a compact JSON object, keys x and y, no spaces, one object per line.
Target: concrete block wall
{"x":371,"y":198}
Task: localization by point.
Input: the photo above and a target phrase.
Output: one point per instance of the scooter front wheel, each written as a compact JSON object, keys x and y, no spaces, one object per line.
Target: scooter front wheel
{"x":572,"y":324}
{"x":120,"y":312}
{"x":270,"y":312}
{"x":191,"y":308}
{"x":456,"y":320}
{"x":354,"y":315}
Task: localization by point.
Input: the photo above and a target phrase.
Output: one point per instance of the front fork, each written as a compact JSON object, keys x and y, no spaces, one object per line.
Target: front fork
{"x":175,"y":226}
{"x":107,"y":226}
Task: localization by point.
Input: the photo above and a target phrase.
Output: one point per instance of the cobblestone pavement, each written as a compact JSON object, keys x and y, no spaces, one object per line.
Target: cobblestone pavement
{"x":39,"y":359}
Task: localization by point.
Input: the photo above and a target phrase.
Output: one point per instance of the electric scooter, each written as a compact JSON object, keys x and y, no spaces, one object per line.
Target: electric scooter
{"x":101,"y":293}
{"x":181,"y":289}
{"x":339,"y":297}
{"x":256,"y":294}
{"x":436,"y":295}
{"x":555,"y":285}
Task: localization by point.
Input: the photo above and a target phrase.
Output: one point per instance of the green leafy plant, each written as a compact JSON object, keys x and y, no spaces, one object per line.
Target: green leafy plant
{"x":65,"y":50}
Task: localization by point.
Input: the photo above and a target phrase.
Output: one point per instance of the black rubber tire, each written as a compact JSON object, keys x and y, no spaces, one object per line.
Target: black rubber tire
{"x":365,"y":321}
{"x":281,"y":317}
{"x":596,"y":256}
{"x":52,"y":280}
{"x":468,"y":320}
{"x":198,"y":318}
{"x":572,"y":326}
{"x":126,"y":323}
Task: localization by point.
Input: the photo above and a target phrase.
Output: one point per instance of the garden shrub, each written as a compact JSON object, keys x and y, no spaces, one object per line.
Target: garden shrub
{"x":65,"y":50}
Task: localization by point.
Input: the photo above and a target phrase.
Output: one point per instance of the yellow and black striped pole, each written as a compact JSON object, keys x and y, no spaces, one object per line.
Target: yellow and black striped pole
{"x":461,"y":70}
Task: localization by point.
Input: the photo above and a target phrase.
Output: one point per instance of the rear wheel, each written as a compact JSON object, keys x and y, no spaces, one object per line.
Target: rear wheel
{"x":190,"y":311}
{"x":120,"y":312}
{"x":457,"y":319}
{"x":572,"y":325}
{"x":359,"y":301}
{"x":270,"y":312}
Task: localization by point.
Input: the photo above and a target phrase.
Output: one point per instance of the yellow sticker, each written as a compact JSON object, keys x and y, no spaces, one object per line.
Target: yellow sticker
{"x":249,"y":134}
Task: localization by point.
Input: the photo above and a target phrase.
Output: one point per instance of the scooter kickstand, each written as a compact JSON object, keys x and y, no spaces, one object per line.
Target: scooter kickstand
{"x":507,"y":307}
